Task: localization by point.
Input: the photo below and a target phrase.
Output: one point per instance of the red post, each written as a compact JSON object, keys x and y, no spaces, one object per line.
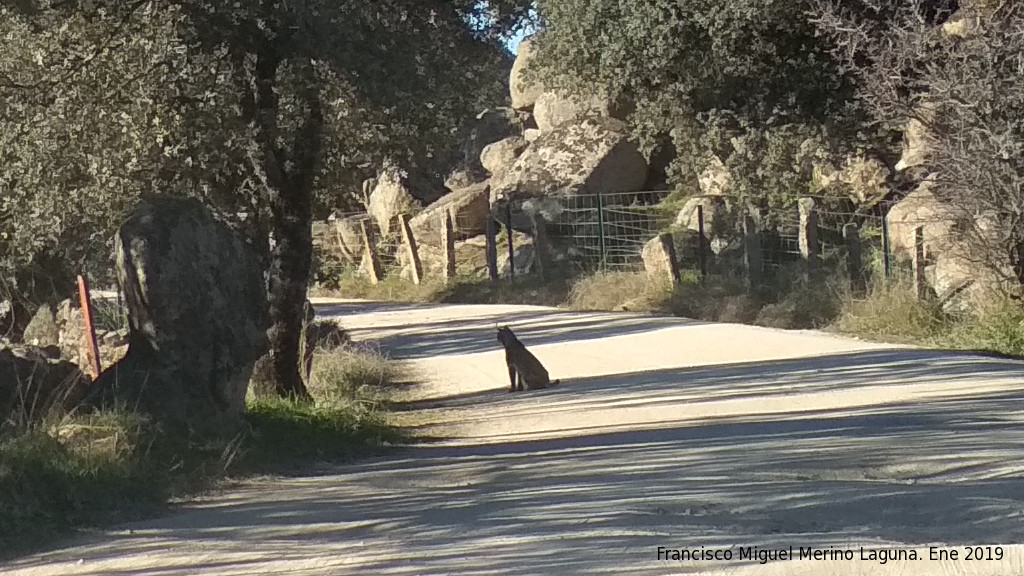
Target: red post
{"x":90,"y":330}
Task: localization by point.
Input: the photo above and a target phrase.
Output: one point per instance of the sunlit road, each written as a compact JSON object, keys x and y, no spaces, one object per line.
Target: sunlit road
{"x":663,"y":433}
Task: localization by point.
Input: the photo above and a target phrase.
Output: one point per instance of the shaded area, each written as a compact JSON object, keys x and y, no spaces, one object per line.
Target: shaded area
{"x":753,"y":379}
{"x":474,"y":332}
{"x":947,"y":469}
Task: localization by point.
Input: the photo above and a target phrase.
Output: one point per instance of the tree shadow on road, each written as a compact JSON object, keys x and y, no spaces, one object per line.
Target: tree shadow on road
{"x":946,"y":470}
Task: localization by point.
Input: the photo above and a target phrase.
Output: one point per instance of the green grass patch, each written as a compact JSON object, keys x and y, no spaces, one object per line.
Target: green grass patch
{"x":85,"y":471}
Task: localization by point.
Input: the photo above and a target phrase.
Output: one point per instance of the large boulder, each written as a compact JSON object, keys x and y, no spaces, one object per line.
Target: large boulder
{"x":920,"y":208}
{"x":490,"y":126}
{"x":471,"y":257}
{"x":468,"y":209}
{"x":390,"y":197}
{"x":554,"y":108}
{"x":657,"y":258}
{"x":718,"y":217}
{"x":73,"y":342}
{"x":34,"y":384}
{"x":498,"y":157}
{"x":589,"y":157}
{"x":715,"y":178}
{"x":197,"y":311}
{"x":918,"y":138}
{"x":523,"y":92}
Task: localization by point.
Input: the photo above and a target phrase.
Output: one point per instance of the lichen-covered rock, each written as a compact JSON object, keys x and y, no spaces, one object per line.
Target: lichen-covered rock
{"x":657,"y":260}
{"x":42,"y":329}
{"x":918,"y":138}
{"x":922,"y":209}
{"x":197,"y":310}
{"x":523,"y":92}
{"x":34,"y":384}
{"x":554,"y":108}
{"x":499,"y":156}
{"x":592,"y":156}
{"x":715,"y":179}
{"x":468,"y":208}
{"x":718,"y":221}
{"x":389,"y":198}
{"x":490,"y":126}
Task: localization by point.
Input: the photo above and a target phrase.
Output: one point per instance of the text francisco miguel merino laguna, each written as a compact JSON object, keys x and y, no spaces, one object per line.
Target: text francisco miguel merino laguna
{"x":765,"y":555}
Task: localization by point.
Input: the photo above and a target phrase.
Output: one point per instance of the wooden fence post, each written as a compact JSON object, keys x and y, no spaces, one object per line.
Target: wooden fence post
{"x":370,"y":259}
{"x":411,"y":251}
{"x":702,"y":243}
{"x":491,"y":233}
{"x":886,"y":261}
{"x":753,"y":260}
{"x":920,"y":282}
{"x":448,"y":245}
{"x":540,"y":245}
{"x":809,"y":249}
{"x":854,"y":258}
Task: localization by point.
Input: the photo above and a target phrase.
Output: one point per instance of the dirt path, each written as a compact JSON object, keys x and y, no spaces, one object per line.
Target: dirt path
{"x":663,"y":433}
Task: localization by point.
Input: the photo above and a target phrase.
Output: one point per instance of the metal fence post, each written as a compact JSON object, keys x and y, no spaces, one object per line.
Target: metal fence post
{"x":511,"y":247}
{"x":600,"y":229}
{"x":492,"y":248}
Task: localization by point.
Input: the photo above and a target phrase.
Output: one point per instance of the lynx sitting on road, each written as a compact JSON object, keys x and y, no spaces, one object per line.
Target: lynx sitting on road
{"x":524,"y":369}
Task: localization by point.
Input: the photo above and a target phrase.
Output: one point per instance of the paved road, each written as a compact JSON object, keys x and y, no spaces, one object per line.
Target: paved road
{"x":664,"y":433}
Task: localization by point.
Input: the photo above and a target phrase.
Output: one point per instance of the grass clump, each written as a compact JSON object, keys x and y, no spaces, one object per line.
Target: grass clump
{"x":84,"y":470}
{"x":463,"y":289}
{"x":996,"y":327}
{"x":349,"y":386}
{"x":90,"y":470}
{"x":893,"y":313}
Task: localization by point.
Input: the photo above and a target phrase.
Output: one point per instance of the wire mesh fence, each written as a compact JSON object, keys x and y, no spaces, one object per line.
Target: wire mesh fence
{"x":609,"y":232}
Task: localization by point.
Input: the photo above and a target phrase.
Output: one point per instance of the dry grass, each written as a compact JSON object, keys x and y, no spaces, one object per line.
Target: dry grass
{"x":462,"y":289}
{"x":893,"y":313}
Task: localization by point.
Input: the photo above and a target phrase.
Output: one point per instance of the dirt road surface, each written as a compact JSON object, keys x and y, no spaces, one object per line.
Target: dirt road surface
{"x":663,"y":433}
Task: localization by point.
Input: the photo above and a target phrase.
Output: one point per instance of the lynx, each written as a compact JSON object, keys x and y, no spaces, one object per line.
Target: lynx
{"x":524,"y":369}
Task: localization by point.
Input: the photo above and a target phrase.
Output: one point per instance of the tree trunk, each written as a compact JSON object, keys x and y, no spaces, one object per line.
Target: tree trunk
{"x":289,"y":184}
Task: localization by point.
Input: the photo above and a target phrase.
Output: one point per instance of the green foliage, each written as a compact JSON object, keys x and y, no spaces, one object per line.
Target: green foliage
{"x":87,"y":470}
{"x":106,"y":101}
{"x":998,"y":327}
{"x":967,"y":94}
{"x":747,"y":81}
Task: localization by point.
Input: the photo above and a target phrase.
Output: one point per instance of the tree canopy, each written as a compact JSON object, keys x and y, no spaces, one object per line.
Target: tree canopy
{"x":277,"y":108}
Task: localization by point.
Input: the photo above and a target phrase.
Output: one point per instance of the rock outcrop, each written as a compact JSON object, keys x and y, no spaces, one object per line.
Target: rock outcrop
{"x":498,"y":157}
{"x":42,"y":329}
{"x":197,"y":310}
{"x":389,"y":198}
{"x":592,"y":156}
{"x":524,"y":92}
{"x":468,"y":209}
